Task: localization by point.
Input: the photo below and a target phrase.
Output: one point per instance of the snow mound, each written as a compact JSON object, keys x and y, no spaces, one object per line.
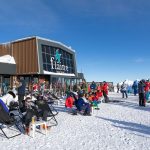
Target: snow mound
{"x":7,"y":59}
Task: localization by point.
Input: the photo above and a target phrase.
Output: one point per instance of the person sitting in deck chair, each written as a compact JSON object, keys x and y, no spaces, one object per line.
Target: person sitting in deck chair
{"x":30,"y":111}
{"x":6,"y":118}
{"x":9,"y":100}
{"x":38,"y":108}
{"x":43,"y":108}
{"x":4,"y":113}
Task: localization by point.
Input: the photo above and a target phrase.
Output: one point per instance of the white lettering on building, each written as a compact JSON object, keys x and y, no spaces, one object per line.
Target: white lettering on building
{"x":58,"y":66}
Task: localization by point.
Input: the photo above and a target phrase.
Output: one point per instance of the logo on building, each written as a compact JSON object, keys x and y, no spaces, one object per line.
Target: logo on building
{"x":56,"y":63}
{"x":57,"y":56}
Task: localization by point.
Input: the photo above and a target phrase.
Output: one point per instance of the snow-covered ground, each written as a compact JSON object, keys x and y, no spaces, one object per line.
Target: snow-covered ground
{"x":116,"y":126}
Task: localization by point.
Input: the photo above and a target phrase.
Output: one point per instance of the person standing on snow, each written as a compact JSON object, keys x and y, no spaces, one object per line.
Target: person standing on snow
{"x":135,"y":87}
{"x":141,"y":91}
{"x":147,"y":88}
{"x":93,"y":86}
{"x":105,"y":91}
{"x":21,"y":86}
{"x":118,"y":87}
{"x":124,"y":90}
{"x":84,"y":86}
{"x":42,"y":87}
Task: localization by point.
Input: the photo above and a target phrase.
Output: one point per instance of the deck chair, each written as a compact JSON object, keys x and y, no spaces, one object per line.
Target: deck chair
{"x":56,"y":99}
{"x":7,"y":120}
{"x":48,"y":110}
{"x":51,"y":117}
{"x":53,"y":95}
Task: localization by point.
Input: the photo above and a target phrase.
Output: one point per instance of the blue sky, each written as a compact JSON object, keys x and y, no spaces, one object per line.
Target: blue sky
{"x":111,"y":37}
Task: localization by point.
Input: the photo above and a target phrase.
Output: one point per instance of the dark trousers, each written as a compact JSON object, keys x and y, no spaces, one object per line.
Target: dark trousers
{"x":28,"y":117}
{"x":141,"y":99}
{"x":86,"y":108}
{"x":30,"y":112}
{"x":43,"y":109}
{"x":106,"y":99}
{"x":21,"y":100}
{"x":124,"y":93}
{"x":118,"y":90}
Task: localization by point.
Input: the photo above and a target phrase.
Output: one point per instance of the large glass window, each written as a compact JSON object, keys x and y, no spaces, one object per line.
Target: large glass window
{"x":57,"y":60}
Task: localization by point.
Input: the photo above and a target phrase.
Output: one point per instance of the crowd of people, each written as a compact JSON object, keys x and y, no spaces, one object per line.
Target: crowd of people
{"x":86,"y":97}
{"x":142,"y":88}
{"x":144,"y":91}
{"x":28,"y":105}
{"x":82,"y":99}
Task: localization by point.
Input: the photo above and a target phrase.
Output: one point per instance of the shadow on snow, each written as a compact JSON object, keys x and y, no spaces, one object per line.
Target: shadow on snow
{"x":129,"y":104}
{"x":134,"y":127}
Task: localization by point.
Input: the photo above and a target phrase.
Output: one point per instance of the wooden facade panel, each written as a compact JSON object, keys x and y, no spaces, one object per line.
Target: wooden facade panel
{"x":14,"y":53}
{"x":5,"y":49}
{"x":30,"y":55}
{"x":25,"y":54}
{"x":34,"y":48}
{"x":23,"y":58}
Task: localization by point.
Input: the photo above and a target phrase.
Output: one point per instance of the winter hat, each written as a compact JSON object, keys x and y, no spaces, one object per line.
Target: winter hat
{"x":81,"y":93}
{"x":12,"y":93}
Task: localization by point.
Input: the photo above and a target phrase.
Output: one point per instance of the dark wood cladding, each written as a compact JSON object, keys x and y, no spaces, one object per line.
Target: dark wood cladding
{"x":26,"y":57}
{"x":5,"y":49}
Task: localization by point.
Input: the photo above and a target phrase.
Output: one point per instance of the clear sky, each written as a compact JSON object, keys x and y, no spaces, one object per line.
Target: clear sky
{"x":111,"y":37}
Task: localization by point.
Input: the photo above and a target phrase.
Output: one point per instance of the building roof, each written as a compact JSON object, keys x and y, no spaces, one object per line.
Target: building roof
{"x":37,"y":37}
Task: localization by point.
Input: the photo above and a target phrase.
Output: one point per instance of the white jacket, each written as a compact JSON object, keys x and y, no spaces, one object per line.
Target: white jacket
{"x":7,"y":99}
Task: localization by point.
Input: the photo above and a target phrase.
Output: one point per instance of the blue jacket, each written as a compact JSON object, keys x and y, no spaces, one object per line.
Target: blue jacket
{"x":22,"y":88}
{"x":93,"y":86}
{"x":4,"y":106}
{"x":135,"y":85}
{"x":80,"y":103}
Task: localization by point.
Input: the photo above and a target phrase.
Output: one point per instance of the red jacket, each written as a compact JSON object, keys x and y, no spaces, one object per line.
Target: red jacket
{"x":35,"y":87}
{"x":99,"y":88}
{"x":94,"y":98}
{"x":69,"y":102}
{"x":99,"y":94}
{"x":147,"y":86}
{"x":89,"y":89}
{"x":105,"y":88}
